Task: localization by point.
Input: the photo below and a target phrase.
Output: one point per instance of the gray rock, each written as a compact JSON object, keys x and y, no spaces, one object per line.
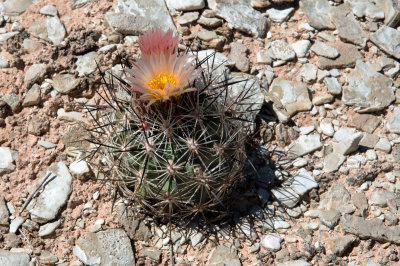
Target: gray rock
{"x":38,"y":125}
{"x":337,"y":198}
{"x":348,"y":145}
{"x":139,"y":16}
{"x":393,"y":125}
{"x":329,"y":217}
{"x":185,"y":5}
{"x":272,"y":242}
{"x":207,"y":35}
{"x":368,"y":90}
{"x":339,"y":244}
{"x":209,"y":22}
{"x":282,"y":50}
{"x":50,"y":29}
{"x":292,"y":94}
{"x":305,"y":144}
{"x":49,"y":228}
{"x":312,"y":9}
{"x":388,"y":39}
{"x":322,"y":99}
{"x":32,"y":46}
{"x":322,"y":49}
{"x":309,"y":72}
{"x":35,"y":74}
{"x":223,"y":255}
{"x":47,"y":258}
{"x":80,"y":169}
{"x":293,"y":263}
{"x":239,"y":55}
{"x":333,"y":161}
{"x":264,"y":58}
{"x":47,"y":205}
{"x":286,"y":196}
{"x":49,"y":10}
{"x":370,"y":229}
{"x":30,"y":225}
{"x":303,"y":182}
{"x":344,"y":133}
{"x":13,"y":101}
{"x":6,"y":161}
{"x":391,"y":9}
{"x":5,"y":36}
{"x":32,"y":97}
{"x":333,"y":85}
{"x":383,"y":145}
{"x":188,"y":18}
{"x":15,"y":7}
{"x":349,"y":54}
{"x":349,"y":29}
{"x":4,"y":62}
{"x":381,"y":197}
{"x":3,"y":212}
{"x":196,"y":238}
{"x":365,"y":122}
{"x":360,"y":202}
{"x":86,"y":64}
{"x":301,"y":47}
{"x":109,"y":247}
{"x":151,"y":253}
{"x":279,"y":15}
{"x":66,"y":83}
{"x":14,"y":258}
{"x":241,"y":16}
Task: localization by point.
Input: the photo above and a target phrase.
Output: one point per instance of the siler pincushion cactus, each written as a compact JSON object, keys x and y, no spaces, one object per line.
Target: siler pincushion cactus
{"x":171,"y":132}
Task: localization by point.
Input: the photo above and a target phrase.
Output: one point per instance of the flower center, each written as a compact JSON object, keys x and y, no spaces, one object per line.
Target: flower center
{"x":159,"y":82}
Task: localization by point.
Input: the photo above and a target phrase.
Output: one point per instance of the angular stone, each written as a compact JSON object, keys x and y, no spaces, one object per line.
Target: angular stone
{"x":185,"y":5}
{"x":368,"y":90}
{"x":333,"y":85}
{"x":71,"y":116}
{"x":50,"y":29}
{"x":339,"y":244}
{"x":369,"y":140}
{"x":348,"y":145}
{"x":279,"y":15}
{"x":54,"y":195}
{"x":370,"y":229}
{"x":329,"y":217}
{"x":47,"y":258}
{"x":333,"y":161}
{"x":4,"y":62}
{"x":388,"y":39}
{"x":286,"y":196}
{"x":188,"y":18}
{"x":303,"y":182}
{"x":14,"y":8}
{"x":312,"y":9}
{"x":323,"y":49}
{"x":66,"y":83}
{"x":32,"y":97}
{"x":86,"y":64}
{"x":309,"y":72}
{"x":305,"y":144}
{"x":292,"y":94}
{"x":3,"y":212}
{"x":109,"y":247}
{"x":301,"y":47}
{"x":272,"y":242}
{"x":383,"y":145}
{"x":6,"y":161}
{"x":349,"y":29}
{"x":224,"y":255}
{"x":365,"y":122}
{"x":49,"y":228}
{"x":239,"y":55}
{"x":326,"y":127}
{"x":241,"y":16}
{"x":14,"y":258}
{"x":337,"y":198}
{"x":38,"y":125}
{"x":381,"y":197}
{"x":282,"y":50}
{"x":80,"y":169}
{"x":349,"y":54}
{"x":35,"y":74}
{"x":49,"y":10}
{"x":393,"y":125}
{"x":139,"y":16}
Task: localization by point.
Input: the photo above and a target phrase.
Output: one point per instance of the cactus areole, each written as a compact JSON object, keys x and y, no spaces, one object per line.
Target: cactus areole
{"x":175,"y":141}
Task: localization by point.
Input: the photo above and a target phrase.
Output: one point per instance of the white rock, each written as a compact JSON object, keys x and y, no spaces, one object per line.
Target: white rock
{"x":16,"y":223}
{"x":383,"y":145}
{"x":279,"y":15}
{"x":301,"y":47}
{"x":300,"y":162}
{"x":48,"y":228}
{"x":6,"y":161}
{"x":71,"y":116}
{"x":80,"y":169}
{"x":55,"y":30}
{"x":86,"y":64}
{"x":305,"y":144}
{"x":327,"y":127}
{"x":322,"y":49}
{"x":272,"y":242}
{"x":303,"y":182}
{"x":49,"y":10}
{"x":55,"y":194}
{"x":306,"y":130}
{"x":309,"y":72}
{"x":4,"y":62}
{"x":394,"y":122}
{"x":348,"y":145}
{"x":282,"y":50}
{"x":344,"y":133}
{"x":185,"y":5}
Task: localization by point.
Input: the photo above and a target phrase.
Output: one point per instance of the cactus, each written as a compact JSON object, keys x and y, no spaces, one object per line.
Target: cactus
{"x":170,"y":131}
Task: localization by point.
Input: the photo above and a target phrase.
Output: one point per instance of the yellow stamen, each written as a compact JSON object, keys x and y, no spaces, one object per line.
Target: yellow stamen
{"x":160,"y":81}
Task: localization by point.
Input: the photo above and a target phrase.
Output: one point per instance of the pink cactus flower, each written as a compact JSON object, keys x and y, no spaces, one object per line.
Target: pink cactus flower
{"x":161,"y":73}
